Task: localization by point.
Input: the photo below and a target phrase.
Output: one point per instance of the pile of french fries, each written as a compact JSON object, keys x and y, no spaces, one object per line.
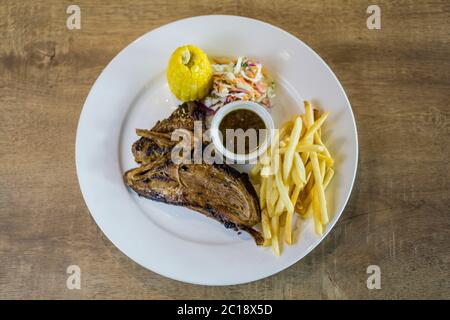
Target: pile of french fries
{"x":293,"y":175}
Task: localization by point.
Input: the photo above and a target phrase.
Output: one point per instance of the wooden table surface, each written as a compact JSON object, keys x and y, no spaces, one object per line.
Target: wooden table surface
{"x":397,"y":80}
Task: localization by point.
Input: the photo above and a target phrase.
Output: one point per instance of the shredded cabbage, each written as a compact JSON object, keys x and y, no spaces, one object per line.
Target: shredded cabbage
{"x":244,"y":79}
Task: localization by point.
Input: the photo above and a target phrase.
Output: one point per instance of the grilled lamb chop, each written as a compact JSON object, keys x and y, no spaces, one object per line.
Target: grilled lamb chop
{"x":151,"y":146}
{"x":156,"y":142}
{"x":217,"y":191}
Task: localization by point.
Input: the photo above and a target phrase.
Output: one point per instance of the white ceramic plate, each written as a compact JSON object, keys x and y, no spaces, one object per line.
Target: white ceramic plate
{"x":132,"y":93}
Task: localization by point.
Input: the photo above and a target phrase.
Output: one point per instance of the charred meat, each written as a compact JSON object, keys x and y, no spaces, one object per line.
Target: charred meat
{"x":217,"y":191}
{"x":156,"y":142}
{"x":200,"y":187}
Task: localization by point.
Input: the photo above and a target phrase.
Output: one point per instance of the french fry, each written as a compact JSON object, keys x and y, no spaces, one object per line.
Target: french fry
{"x":289,"y":216}
{"x":275,"y":161}
{"x":329,"y":161}
{"x":326,"y":181}
{"x":323,"y":167}
{"x":305,"y":121}
{"x":274,"y":197}
{"x":308,"y":176}
{"x":275,"y":233}
{"x":296,"y":177}
{"x":328,"y":176}
{"x":295,"y":194}
{"x":289,"y":183}
{"x":306,"y":147}
{"x":316,"y":125}
{"x":309,"y":114}
{"x":269,"y":193}
{"x":255,"y":170}
{"x":304,"y":128}
{"x":309,"y":119}
{"x":316,"y":114}
{"x":319,"y":188}
{"x":279,"y":208}
{"x":282,"y":221}
{"x":289,"y":155}
{"x":287,"y":127}
{"x":310,"y":181}
{"x":308,"y":168}
{"x":299,"y":166}
{"x":316,"y":213}
{"x":318,"y":140}
{"x":283,"y":192}
{"x":265,"y":225}
{"x":262,"y":193}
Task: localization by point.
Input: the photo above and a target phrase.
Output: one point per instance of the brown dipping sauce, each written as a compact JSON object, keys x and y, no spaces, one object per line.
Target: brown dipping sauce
{"x":241,"y":119}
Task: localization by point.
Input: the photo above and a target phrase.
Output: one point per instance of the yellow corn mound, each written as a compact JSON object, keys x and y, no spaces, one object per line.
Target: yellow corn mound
{"x":189,"y":73}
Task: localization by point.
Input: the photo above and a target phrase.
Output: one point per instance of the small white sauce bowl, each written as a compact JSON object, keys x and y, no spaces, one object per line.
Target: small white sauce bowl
{"x":261,"y":111}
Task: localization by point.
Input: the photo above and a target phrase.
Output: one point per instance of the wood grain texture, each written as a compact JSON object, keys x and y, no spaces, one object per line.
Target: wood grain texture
{"x":397,"y":79}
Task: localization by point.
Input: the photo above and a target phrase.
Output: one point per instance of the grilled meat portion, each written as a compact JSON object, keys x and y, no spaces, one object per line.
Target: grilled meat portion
{"x":156,"y":142}
{"x":217,"y":191}
{"x":182,"y":118}
{"x":151,"y":146}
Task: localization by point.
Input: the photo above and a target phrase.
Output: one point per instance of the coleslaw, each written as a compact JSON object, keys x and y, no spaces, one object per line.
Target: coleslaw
{"x":243,"y":79}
